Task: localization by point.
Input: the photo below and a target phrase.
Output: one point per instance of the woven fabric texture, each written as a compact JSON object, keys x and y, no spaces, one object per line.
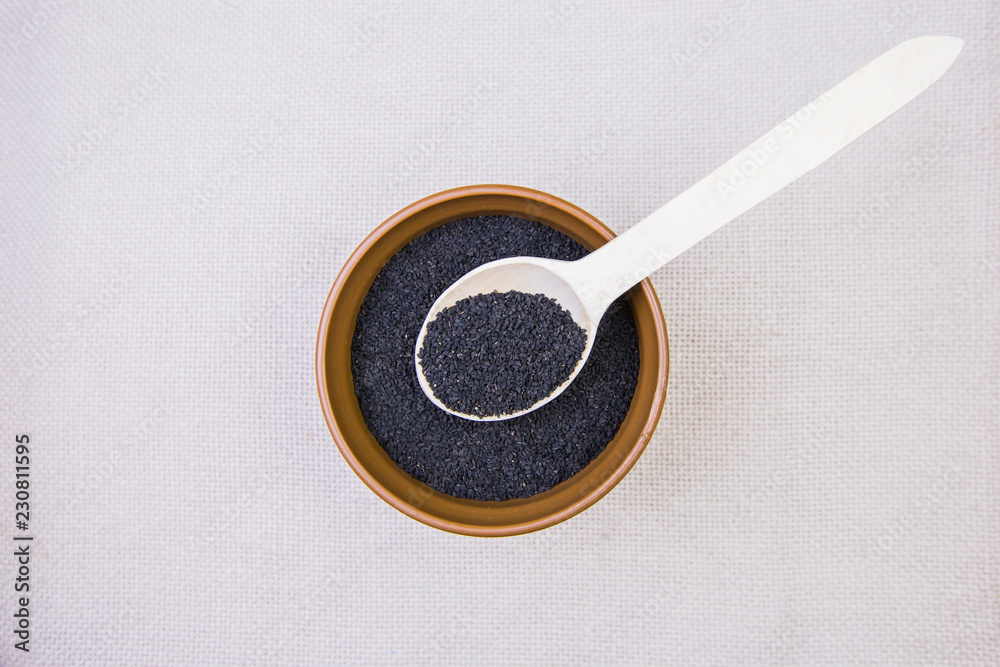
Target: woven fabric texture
{"x":179,"y":186}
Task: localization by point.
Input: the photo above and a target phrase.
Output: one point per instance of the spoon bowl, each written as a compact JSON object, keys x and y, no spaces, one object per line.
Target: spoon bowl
{"x":531,"y":275}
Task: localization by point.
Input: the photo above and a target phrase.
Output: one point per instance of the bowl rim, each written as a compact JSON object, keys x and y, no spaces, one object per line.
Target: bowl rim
{"x":584,"y":501}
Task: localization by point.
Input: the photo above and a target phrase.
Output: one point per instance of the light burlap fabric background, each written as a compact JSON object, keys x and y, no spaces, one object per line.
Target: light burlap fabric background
{"x":180,"y":187}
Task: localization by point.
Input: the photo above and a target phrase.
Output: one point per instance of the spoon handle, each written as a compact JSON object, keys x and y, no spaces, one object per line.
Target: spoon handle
{"x":790,"y":150}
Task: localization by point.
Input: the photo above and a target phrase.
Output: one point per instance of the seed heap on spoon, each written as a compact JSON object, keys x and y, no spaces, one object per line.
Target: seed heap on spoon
{"x":499,"y":353}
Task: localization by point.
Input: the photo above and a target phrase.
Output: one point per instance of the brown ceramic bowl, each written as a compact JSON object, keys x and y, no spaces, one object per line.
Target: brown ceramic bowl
{"x":366,"y":456}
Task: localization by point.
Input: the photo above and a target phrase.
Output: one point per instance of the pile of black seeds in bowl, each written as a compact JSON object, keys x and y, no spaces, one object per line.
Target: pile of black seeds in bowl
{"x":498,"y":460}
{"x":498,"y":353}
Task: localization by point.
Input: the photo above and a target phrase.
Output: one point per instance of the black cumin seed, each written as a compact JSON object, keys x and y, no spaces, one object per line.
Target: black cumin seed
{"x":516,"y":458}
{"x":493,"y":354}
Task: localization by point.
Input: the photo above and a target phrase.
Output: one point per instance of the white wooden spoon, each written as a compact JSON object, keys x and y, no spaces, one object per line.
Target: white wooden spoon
{"x":586,"y":287}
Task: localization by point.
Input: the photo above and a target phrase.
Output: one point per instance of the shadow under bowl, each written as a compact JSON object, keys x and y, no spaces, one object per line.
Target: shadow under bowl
{"x":367,"y":458}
